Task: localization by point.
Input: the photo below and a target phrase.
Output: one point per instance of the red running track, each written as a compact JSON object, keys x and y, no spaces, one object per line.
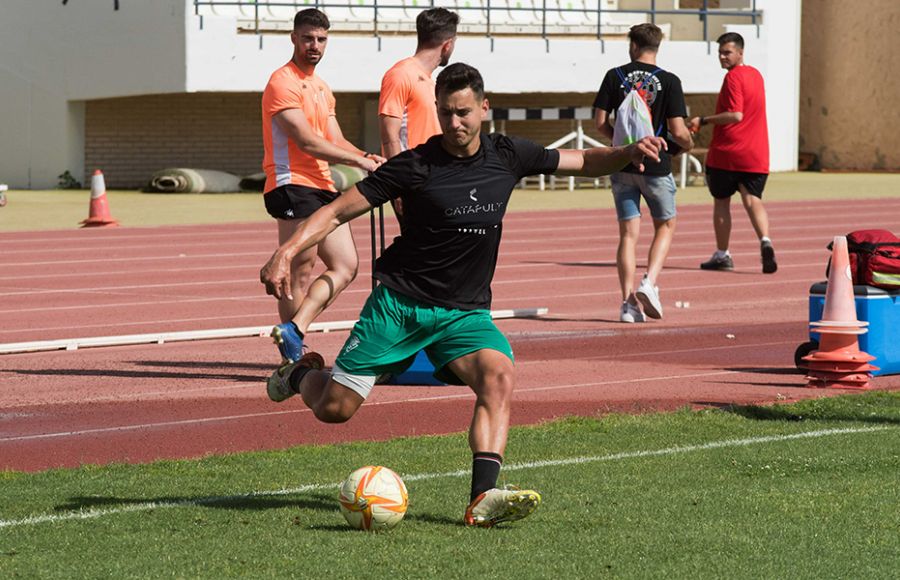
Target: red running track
{"x":734,"y":344}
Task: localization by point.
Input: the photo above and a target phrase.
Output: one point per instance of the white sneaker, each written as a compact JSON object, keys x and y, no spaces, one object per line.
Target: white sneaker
{"x":648,"y":295}
{"x":630,"y":313}
{"x":501,"y":505}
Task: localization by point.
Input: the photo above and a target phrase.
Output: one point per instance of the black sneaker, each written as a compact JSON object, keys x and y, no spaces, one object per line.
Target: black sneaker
{"x":714,"y":263}
{"x":768,"y":257}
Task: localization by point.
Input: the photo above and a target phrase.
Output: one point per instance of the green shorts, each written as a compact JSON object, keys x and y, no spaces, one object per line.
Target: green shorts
{"x":393,"y":328}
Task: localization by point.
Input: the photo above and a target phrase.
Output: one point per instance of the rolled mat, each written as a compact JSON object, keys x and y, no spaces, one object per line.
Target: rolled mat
{"x":253,"y":182}
{"x":184,"y":180}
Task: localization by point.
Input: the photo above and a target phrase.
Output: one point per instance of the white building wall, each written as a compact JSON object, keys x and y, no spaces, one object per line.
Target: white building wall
{"x":54,"y":57}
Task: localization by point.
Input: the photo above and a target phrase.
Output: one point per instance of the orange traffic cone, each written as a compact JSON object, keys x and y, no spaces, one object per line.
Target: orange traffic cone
{"x":839,"y":362}
{"x":99,"y":212}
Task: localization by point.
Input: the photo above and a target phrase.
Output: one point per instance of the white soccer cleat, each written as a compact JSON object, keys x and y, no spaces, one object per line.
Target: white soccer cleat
{"x":501,"y":505}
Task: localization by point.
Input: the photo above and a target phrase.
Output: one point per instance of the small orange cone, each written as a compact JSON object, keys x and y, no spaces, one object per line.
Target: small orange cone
{"x":99,"y":212}
{"x":839,"y":362}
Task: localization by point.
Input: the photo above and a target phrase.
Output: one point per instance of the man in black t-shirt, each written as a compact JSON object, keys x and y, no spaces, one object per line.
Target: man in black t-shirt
{"x":662,"y":92}
{"x":435,"y":291}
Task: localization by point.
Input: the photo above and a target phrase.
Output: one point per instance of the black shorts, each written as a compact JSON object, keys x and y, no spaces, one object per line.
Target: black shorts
{"x":723,"y":183}
{"x":296,"y":202}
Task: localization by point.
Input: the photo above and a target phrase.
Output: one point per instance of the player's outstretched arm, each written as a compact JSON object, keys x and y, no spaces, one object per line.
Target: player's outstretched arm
{"x":276,"y":274}
{"x":598,"y":161}
{"x":726,"y":118}
{"x":336,"y":136}
{"x":294,"y":123}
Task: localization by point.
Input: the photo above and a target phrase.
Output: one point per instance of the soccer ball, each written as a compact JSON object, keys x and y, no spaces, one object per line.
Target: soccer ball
{"x":373,"y":498}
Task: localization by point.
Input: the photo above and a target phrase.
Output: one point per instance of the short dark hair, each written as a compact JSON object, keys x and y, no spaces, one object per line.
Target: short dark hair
{"x":312,"y":17}
{"x":457,"y":77}
{"x":646,"y":36}
{"x":435,"y":25}
{"x":734,"y":37}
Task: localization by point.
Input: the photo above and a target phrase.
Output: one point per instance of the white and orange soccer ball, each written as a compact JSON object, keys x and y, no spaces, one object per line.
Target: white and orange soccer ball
{"x":373,"y":498}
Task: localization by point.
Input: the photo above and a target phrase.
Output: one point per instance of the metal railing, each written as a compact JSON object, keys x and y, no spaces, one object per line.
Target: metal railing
{"x":543,"y":25}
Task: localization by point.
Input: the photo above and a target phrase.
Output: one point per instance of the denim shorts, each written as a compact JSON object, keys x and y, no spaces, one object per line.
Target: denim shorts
{"x":658,"y":191}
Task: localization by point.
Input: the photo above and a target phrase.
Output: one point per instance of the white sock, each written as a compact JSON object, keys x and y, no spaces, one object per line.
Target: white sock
{"x":764,"y":239}
{"x":720,"y":254}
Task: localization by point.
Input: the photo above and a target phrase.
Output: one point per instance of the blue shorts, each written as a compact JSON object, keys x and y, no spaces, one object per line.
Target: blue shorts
{"x":658,"y":191}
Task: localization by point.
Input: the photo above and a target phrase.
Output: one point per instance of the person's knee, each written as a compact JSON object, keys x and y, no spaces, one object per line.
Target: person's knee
{"x":333,"y":412}
{"x":664,"y":225}
{"x":498,"y":385}
{"x":630,"y":229}
{"x":346,"y":272}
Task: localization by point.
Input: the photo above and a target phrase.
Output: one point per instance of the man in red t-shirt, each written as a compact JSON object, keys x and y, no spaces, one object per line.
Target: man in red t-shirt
{"x":738,"y":158}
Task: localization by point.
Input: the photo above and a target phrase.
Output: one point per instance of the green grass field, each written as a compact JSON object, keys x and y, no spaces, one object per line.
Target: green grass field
{"x":64,"y":209}
{"x":808,"y":490}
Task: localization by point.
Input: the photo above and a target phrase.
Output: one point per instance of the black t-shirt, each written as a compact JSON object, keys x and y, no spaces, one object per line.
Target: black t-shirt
{"x":663,"y":94}
{"x":452,"y":212}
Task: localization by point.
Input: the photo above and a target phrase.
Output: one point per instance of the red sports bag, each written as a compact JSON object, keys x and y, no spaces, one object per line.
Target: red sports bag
{"x":874,"y":258}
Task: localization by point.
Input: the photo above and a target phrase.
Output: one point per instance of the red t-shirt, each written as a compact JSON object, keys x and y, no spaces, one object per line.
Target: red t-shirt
{"x":741,"y":146}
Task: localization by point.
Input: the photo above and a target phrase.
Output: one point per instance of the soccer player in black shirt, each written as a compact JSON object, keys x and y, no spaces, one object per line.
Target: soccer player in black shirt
{"x":435,"y":291}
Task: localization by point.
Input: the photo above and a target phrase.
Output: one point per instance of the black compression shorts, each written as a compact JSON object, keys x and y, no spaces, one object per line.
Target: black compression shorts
{"x":296,"y":202}
{"x":723,"y":183}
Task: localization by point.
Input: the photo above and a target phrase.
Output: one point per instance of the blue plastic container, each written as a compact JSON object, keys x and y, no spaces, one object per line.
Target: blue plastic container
{"x":881,"y":309}
{"x":420,"y":372}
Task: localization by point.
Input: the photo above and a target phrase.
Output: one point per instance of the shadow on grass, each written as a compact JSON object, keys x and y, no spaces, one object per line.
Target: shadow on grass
{"x":828,"y":410}
{"x":318,"y":502}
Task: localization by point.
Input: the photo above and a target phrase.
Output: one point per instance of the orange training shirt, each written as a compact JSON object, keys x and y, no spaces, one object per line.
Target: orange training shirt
{"x":284,"y":162}
{"x":407,"y":92}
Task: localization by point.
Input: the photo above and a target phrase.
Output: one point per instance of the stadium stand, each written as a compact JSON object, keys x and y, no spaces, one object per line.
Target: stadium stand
{"x":525,"y":17}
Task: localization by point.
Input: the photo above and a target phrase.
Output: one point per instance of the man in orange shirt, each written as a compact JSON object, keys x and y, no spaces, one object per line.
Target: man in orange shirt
{"x":301,"y":136}
{"x":407,"y":115}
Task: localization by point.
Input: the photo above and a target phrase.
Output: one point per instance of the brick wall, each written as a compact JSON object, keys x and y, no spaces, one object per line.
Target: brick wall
{"x":848,"y":84}
{"x":130,"y":138}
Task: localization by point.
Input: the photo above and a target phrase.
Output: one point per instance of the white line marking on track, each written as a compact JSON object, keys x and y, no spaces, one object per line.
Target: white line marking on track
{"x":676,"y":450}
{"x":465,"y":395}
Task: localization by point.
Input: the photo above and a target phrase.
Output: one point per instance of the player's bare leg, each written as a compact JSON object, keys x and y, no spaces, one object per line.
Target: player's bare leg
{"x":626,"y":262}
{"x":759,"y":218}
{"x":663,"y":232}
{"x":722,"y":222}
{"x":491,"y":376}
{"x":310,"y":298}
{"x":338,"y":253}
{"x":330,"y":401}
{"x":301,"y":268}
